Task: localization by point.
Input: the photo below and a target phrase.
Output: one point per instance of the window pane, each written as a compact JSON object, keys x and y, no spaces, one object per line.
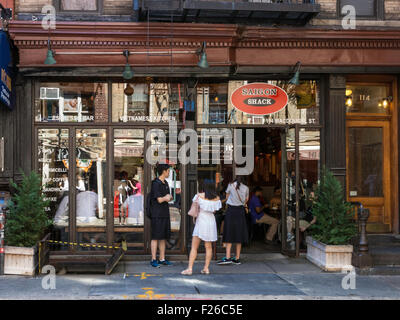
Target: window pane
{"x":91,"y":185}
{"x":129,"y":187}
{"x":81,"y":5}
{"x":53,"y":152}
{"x":214,"y":104}
{"x":365,"y":162}
{"x":155,"y":102}
{"x":160,"y":152}
{"x":71,"y":102}
{"x":367,"y":99}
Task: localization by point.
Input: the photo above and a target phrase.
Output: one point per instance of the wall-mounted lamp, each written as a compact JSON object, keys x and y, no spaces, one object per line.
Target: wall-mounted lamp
{"x":386,"y":101}
{"x":50,"y":58}
{"x":296,"y":78}
{"x":349,"y":101}
{"x":203,"y":63}
{"x":128,"y":73}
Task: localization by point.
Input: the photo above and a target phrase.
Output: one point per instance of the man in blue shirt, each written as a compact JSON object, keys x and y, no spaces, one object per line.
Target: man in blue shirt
{"x":258,"y":215}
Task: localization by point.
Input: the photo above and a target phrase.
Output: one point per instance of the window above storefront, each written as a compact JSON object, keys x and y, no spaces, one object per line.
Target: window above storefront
{"x":79,"y":6}
{"x":368,"y":98}
{"x":215,"y":106}
{"x":71,"y":102}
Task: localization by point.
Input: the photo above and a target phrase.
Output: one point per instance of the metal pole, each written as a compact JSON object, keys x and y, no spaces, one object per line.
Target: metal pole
{"x":2,"y":224}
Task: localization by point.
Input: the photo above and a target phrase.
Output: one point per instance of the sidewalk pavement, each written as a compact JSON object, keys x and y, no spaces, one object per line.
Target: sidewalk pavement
{"x":267,"y":276}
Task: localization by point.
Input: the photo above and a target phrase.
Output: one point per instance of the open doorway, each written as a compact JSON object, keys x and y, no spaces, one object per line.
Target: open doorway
{"x":266,"y":187}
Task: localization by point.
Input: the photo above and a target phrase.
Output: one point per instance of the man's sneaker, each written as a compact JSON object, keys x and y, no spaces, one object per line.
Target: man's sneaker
{"x":154,"y":264}
{"x":164,"y":262}
{"x":225,"y":260}
{"x":236,"y":261}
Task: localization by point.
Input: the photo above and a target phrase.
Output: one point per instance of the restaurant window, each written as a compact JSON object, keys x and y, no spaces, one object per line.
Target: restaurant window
{"x":53,"y":154}
{"x":90,"y":182}
{"x":146,"y":102}
{"x":71,"y":102}
{"x":214,"y":105}
{"x":368,"y":99}
{"x":160,"y":152}
{"x":129,"y":187}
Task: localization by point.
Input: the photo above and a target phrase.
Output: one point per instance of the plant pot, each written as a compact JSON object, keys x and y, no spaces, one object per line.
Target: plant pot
{"x":20,"y":260}
{"x":329,"y":257}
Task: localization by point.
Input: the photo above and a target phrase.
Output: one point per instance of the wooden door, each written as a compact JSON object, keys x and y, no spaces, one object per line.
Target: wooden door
{"x":368,"y":170}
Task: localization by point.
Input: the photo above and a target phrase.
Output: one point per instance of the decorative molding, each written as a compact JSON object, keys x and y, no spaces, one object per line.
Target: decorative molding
{"x":34,"y":44}
{"x":322,"y":44}
{"x":185,"y":35}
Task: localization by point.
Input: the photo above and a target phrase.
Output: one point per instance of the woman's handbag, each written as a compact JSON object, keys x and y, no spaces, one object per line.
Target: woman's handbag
{"x":194,"y":209}
{"x":246,"y":209}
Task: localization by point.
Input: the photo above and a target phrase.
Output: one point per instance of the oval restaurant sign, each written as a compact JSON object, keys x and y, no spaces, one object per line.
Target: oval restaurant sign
{"x":259,"y":98}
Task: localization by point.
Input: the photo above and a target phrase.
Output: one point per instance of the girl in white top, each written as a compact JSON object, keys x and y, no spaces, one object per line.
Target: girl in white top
{"x":205,"y":228}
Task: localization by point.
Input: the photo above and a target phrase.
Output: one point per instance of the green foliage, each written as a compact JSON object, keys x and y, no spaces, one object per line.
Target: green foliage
{"x":335,"y":223}
{"x":27,"y":219}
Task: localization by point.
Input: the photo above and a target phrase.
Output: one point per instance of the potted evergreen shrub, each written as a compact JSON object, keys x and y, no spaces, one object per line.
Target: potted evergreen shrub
{"x":329,"y":244}
{"x":26,"y":223}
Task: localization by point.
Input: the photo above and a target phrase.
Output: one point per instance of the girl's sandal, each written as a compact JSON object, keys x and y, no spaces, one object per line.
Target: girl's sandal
{"x":187,"y":272}
{"x":205,"y":272}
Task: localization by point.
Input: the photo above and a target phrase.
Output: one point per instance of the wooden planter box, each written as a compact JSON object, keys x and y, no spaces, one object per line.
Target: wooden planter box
{"x":20,"y":260}
{"x":329,"y":257}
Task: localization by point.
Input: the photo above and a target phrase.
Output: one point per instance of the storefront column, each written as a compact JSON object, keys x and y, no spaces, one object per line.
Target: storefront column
{"x":335,"y":128}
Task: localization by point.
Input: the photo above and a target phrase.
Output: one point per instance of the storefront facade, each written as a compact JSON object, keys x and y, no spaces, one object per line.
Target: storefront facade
{"x":80,"y":111}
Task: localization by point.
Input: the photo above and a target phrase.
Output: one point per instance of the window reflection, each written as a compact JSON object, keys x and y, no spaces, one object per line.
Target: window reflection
{"x":71,"y":102}
{"x":91,"y":173}
{"x":365,"y":162}
{"x":147,"y":102}
{"x":52,"y":158}
{"x":214,"y":105}
{"x":159,"y":153}
{"x":368,"y":99}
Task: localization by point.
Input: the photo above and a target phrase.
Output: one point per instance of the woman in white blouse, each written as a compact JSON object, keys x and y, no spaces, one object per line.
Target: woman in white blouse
{"x":205,"y":228}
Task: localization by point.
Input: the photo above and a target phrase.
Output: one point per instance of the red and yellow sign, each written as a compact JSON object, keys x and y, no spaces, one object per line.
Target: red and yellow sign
{"x":259,"y":98}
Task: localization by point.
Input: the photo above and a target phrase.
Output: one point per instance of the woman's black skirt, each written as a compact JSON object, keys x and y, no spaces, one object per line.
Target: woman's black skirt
{"x":235,"y":225}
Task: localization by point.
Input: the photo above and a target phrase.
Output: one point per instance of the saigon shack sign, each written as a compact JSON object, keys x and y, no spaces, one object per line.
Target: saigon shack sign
{"x":259,"y":98}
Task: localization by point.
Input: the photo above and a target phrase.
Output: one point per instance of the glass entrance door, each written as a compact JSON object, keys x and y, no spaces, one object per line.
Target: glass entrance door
{"x":300,"y":176}
{"x":368,"y":171}
{"x":290,"y":192}
{"x":129,"y":185}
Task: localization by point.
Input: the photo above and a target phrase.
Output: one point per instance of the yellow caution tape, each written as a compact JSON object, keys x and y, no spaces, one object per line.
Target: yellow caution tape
{"x":83,"y":244}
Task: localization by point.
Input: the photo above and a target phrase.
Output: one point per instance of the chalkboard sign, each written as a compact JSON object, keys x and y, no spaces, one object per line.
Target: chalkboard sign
{"x":364,"y":8}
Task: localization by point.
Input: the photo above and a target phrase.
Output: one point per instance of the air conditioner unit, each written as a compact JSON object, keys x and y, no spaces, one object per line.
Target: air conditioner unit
{"x":49,"y":93}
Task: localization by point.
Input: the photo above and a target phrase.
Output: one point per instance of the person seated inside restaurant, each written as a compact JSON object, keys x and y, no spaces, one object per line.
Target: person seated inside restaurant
{"x":133,"y":208}
{"x":87,"y":206}
{"x":307,"y":219}
{"x":258,"y":215}
{"x":275,"y":202}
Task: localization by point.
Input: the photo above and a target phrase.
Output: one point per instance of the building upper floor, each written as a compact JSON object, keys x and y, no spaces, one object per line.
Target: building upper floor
{"x":310,"y":13}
